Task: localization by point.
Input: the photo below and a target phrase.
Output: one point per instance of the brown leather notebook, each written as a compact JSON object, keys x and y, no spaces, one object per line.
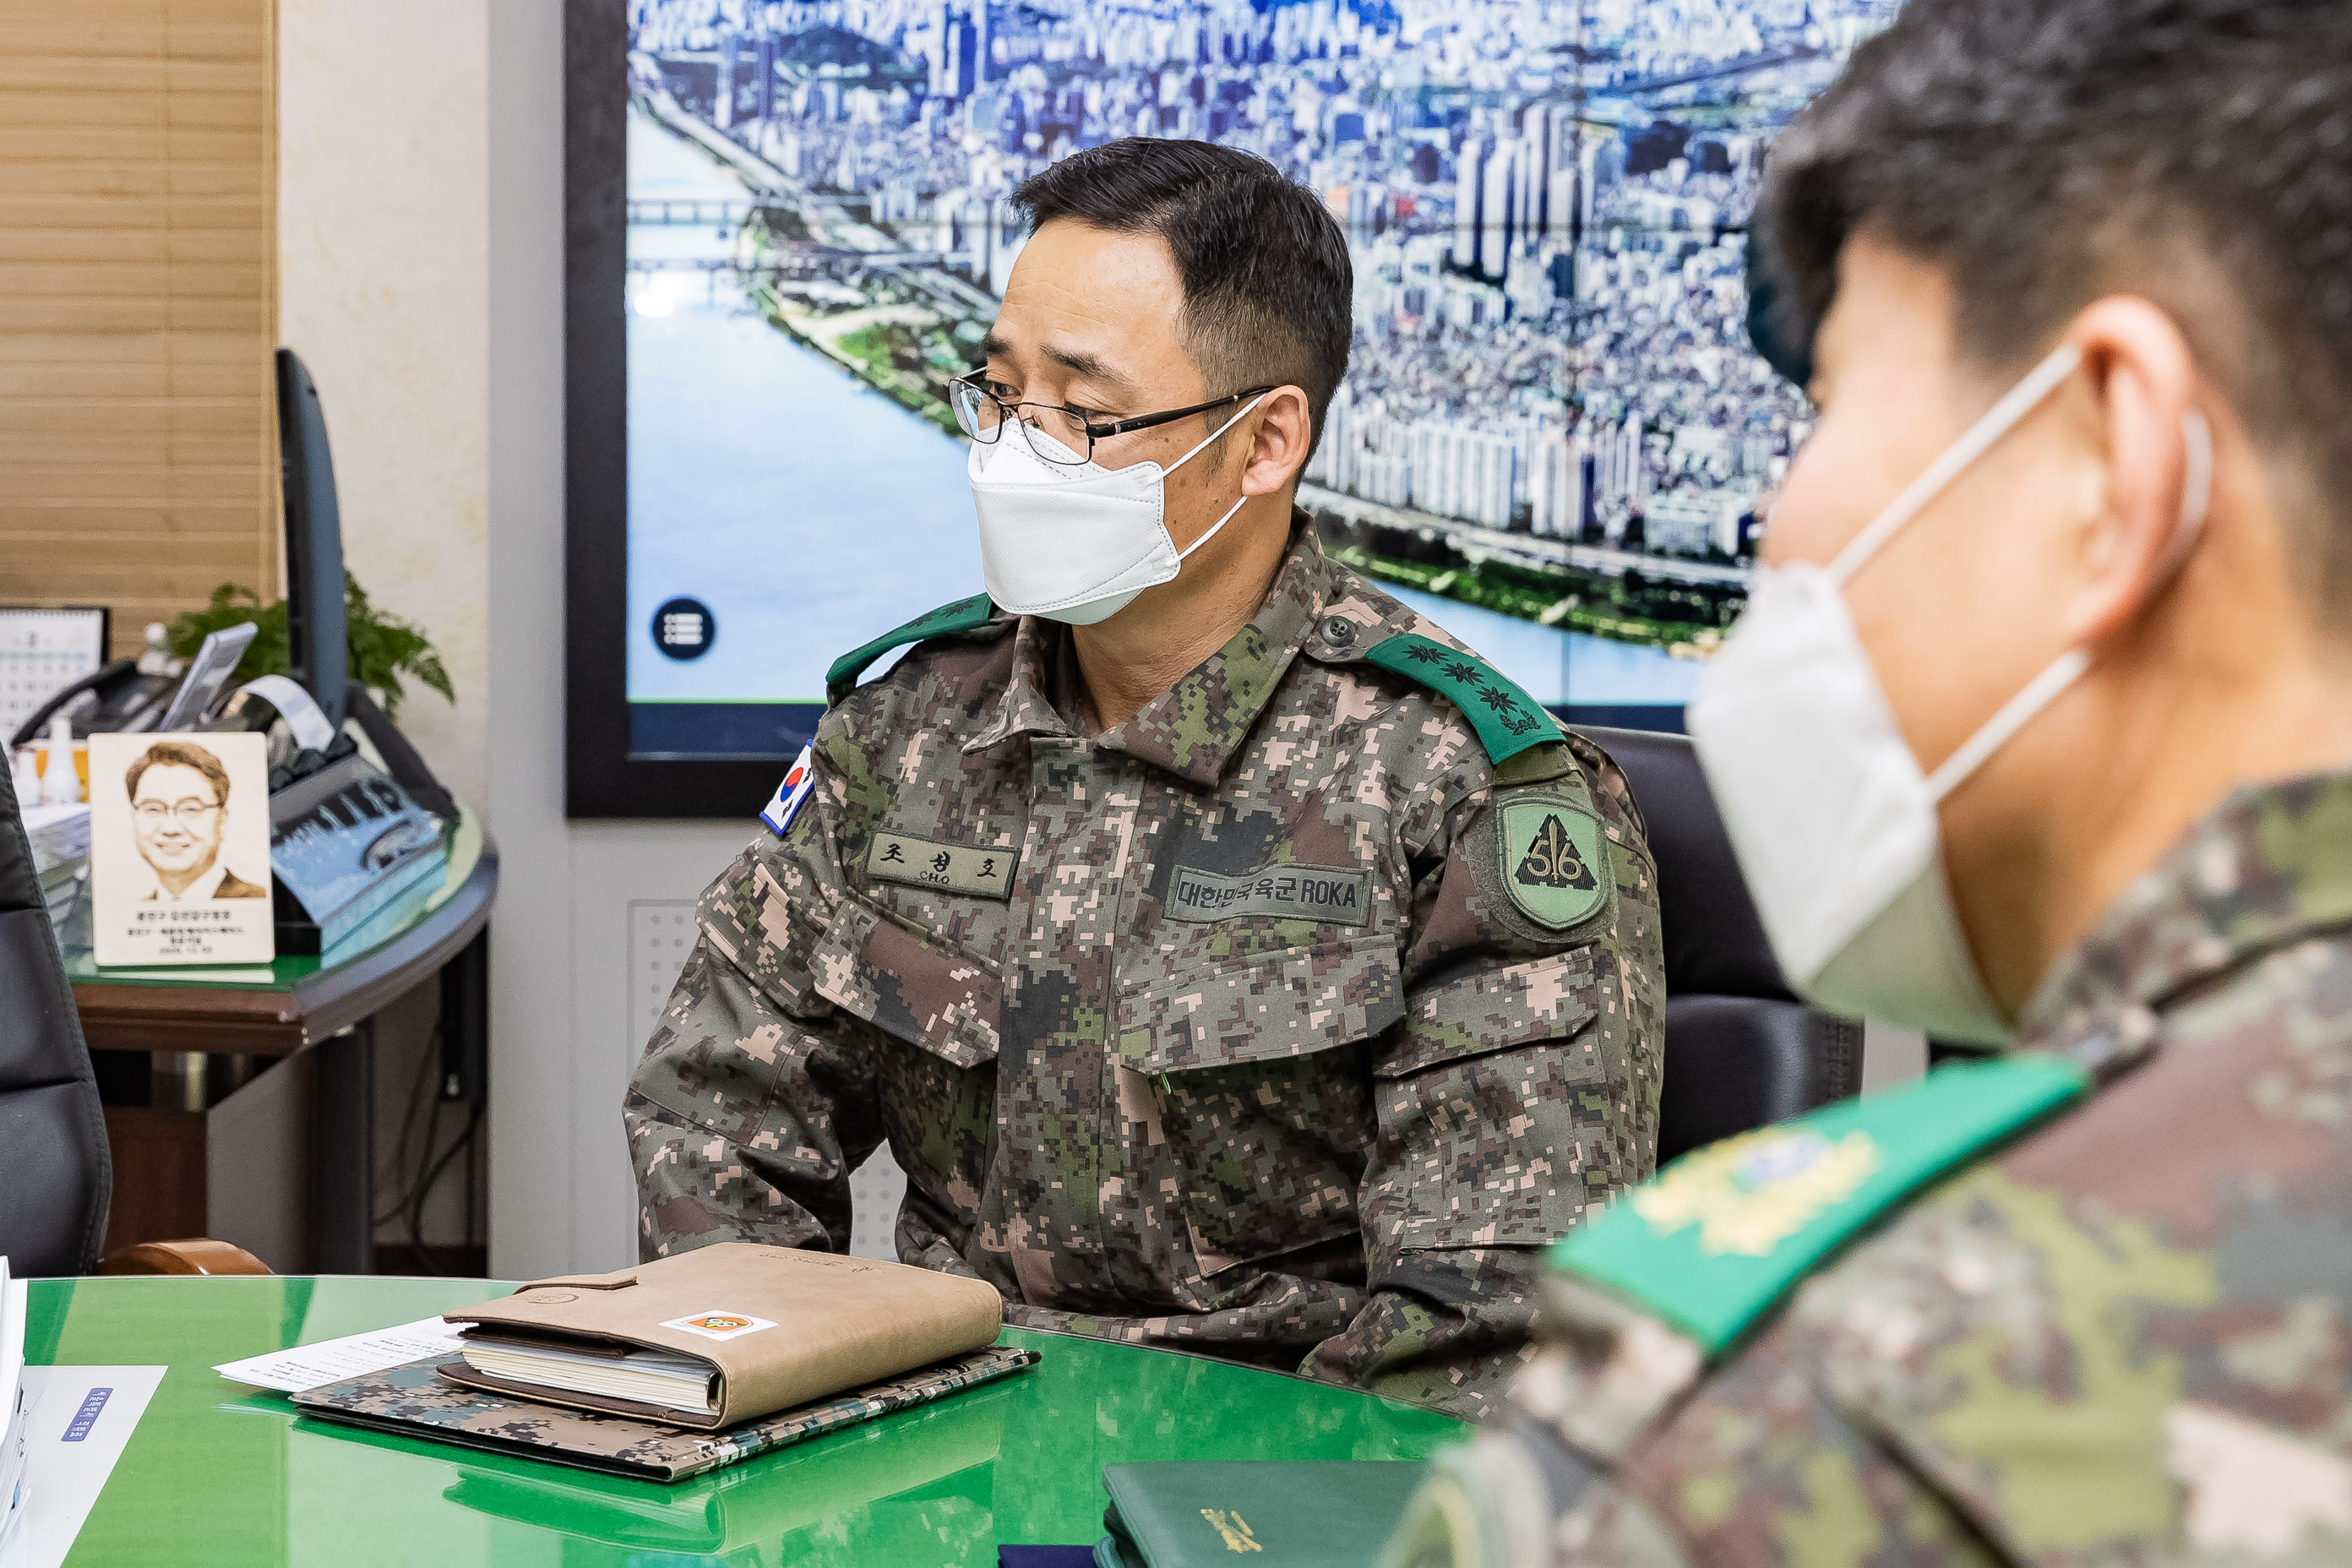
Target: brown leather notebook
{"x":726,"y":1334}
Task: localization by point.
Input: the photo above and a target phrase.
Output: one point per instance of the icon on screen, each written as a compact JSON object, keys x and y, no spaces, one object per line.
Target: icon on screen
{"x":685,"y":628}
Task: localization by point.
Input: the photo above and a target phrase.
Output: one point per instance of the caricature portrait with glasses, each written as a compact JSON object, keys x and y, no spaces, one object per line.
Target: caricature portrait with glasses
{"x":179,"y":814}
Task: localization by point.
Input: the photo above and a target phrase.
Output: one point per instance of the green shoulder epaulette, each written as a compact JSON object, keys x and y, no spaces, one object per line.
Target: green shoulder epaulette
{"x":964,"y":615}
{"x":1507,"y":720}
{"x":1722,"y":1235}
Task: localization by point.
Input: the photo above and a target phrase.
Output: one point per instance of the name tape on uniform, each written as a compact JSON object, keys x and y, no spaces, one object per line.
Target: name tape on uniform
{"x":1285,"y":892}
{"x":951,"y":868}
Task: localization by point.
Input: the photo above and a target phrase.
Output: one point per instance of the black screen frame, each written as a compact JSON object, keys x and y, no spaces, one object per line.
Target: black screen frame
{"x":603,"y":778}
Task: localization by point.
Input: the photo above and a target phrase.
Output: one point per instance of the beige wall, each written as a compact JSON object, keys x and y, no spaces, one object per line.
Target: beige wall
{"x":383,"y":263}
{"x":382,"y":243}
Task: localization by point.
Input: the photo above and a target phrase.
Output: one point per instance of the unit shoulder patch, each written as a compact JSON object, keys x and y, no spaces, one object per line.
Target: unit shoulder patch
{"x":1506,"y":718}
{"x":948,"y":620}
{"x":1552,"y":859}
{"x":1720,"y":1237}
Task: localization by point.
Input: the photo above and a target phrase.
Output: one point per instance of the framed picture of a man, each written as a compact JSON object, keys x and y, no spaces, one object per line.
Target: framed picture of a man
{"x":180,"y":850}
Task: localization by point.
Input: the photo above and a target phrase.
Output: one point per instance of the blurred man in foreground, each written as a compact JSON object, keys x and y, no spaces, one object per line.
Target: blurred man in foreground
{"x":2038,"y":732}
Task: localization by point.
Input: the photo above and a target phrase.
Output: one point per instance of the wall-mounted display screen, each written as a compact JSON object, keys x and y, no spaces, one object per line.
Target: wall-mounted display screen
{"x":1554,"y":438}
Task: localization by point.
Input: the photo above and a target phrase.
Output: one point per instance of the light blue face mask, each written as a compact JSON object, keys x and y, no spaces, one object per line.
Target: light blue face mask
{"x":1834,"y":821}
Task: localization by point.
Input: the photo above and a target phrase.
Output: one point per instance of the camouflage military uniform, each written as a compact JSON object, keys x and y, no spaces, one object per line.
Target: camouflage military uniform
{"x":2125,"y":1337}
{"x":1219,"y":1030}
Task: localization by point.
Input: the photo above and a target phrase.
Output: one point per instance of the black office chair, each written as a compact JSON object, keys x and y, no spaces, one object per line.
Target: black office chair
{"x":52,"y":1134}
{"x":1741,"y":1050}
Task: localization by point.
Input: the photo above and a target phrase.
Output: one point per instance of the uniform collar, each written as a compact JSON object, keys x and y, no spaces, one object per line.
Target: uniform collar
{"x":1194,"y":728}
{"x":2269,"y":865}
{"x":1026,"y":706}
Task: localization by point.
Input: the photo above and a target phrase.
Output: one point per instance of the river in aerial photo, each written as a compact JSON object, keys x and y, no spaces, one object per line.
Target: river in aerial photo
{"x":810,"y":514}
{"x":807,"y":512}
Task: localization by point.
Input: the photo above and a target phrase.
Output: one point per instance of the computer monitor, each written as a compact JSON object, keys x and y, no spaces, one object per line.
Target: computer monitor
{"x":314,"y":540}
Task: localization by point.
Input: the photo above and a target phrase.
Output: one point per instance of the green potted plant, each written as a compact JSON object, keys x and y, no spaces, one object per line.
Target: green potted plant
{"x":382,"y":648}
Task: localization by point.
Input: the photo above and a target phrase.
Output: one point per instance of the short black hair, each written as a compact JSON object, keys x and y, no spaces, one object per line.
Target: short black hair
{"x":2046,"y":152}
{"x":1268,"y":288}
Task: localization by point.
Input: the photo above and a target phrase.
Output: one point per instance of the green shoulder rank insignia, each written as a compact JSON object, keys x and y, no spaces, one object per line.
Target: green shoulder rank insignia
{"x":1552,"y":860}
{"x":964,"y":615}
{"x":1720,"y":1236}
{"x":1507,"y":720}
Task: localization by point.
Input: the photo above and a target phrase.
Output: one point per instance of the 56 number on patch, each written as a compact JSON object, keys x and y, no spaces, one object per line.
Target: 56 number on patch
{"x":1553,"y":860}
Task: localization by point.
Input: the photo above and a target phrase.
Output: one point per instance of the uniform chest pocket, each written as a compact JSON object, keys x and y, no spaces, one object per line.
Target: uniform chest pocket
{"x":935,"y":1076}
{"x":941,"y":1000}
{"x":1246,"y":1072}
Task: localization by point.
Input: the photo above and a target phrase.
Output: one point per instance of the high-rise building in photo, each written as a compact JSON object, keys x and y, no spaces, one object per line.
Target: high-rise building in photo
{"x":1469,"y":200}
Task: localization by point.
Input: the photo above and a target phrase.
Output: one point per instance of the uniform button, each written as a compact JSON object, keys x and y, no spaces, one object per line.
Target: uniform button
{"x":1338,"y":631}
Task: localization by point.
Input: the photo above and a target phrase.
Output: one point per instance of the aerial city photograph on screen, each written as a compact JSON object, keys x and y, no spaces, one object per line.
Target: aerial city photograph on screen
{"x":1553,"y":438}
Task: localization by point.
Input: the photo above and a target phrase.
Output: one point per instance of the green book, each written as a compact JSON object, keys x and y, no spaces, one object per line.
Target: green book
{"x":1335,"y":1514}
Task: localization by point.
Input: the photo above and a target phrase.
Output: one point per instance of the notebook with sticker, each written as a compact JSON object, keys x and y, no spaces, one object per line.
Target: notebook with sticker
{"x":719,"y":1335}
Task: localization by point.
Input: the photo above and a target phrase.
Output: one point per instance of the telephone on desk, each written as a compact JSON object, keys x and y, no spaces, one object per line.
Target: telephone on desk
{"x":346,"y":836}
{"x":123,"y":699}
{"x":110,"y":699}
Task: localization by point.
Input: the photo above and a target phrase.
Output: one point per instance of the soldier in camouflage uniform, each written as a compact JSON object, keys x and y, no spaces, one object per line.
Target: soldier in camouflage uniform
{"x":2125,"y":1337}
{"x":2088,"y":1301}
{"x":1284,"y":1019}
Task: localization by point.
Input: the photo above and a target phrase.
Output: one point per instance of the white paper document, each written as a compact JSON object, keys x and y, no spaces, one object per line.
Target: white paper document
{"x":80,"y":1419}
{"x":354,"y":1355}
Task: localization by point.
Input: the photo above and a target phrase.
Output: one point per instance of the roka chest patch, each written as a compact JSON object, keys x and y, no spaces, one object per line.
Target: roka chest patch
{"x":1285,"y":892}
{"x":951,"y":868}
{"x":1552,"y":860}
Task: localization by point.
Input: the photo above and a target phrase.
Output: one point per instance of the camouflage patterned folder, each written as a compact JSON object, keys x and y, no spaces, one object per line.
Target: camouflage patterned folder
{"x":415,"y":1401}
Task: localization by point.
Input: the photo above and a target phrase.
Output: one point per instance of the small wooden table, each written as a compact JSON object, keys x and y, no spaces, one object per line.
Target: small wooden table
{"x":248,"y":1113}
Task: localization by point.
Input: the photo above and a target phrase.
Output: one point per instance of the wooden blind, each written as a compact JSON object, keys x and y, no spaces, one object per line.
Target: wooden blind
{"x":138,"y":304}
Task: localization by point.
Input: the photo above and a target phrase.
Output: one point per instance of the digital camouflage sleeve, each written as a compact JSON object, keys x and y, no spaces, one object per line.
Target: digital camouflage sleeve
{"x":2122,"y":1335}
{"x":1282,"y":1022}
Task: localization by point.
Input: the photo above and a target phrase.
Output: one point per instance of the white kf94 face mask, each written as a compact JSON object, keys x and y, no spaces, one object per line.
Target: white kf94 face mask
{"x":1832,"y":818}
{"x":1075,"y":542}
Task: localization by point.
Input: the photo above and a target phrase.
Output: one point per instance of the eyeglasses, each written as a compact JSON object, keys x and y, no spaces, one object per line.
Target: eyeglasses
{"x":151,"y":813}
{"x":1071,"y":432}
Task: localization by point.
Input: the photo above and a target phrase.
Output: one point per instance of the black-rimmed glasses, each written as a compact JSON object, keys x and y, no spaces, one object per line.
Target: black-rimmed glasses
{"x":1072,"y":432}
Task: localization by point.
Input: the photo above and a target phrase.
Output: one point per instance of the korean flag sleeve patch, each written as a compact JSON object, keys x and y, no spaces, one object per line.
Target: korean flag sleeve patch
{"x":785,"y":804}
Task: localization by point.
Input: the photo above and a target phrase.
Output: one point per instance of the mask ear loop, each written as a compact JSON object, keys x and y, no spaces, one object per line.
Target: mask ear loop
{"x":1187,"y":457}
{"x":2196,"y":495}
{"x":1204,"y":539}
{"x":1995,"y":422}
